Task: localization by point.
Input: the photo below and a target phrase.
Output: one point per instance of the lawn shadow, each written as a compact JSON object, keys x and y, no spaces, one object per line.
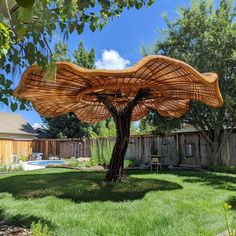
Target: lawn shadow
{"x":232,"y":201}
{"x":22,"y":220}
{"x":217,"y":180}
{"x":81,"y":186}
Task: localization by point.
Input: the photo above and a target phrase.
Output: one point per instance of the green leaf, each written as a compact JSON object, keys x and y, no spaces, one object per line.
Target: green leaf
{"x":5,"y":100}
{"x":4,"y":51}
{"x":92,"y":27}
{"x":80,"y":28}
{"x":150,"y":2}
{"x":25,"y":3}
{"x":25,"y":15}
{"x":21,"y":33}
{"x":62,"y":25}
{"x":138,"y":5}
{"x":13,"y":106}
{"x":8,"y":84}
{"x":22,"y":106}
{"x":71,"y":27}
{"x":30,"y":52}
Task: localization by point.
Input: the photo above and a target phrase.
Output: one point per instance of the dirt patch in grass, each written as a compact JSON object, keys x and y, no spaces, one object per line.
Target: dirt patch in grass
{"x":9,"y":230}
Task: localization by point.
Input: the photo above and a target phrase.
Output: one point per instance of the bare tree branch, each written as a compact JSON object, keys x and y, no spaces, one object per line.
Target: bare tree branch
{"x":225,"y":138}
{"x":108,"y":104}
{"x":138,"y":97}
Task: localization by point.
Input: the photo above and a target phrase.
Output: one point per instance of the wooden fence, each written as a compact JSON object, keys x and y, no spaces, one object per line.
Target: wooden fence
{"x":181,"y":148}
{"x":175,"y":149}
{"x":138,"y":149}
{"x":9,"y":148}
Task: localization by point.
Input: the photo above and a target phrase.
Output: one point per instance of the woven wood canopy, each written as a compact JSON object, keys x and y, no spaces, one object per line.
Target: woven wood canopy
{"x":170,"y":85}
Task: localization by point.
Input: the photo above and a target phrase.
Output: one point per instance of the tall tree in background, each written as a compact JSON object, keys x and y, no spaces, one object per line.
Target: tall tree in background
{"x":204,"y":36}
{"x":27,"y":27}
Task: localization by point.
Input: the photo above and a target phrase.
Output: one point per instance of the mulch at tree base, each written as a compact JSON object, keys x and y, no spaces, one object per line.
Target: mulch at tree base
{"x":9,"y":230}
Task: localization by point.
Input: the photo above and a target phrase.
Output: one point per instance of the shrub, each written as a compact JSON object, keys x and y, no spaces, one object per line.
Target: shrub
{"x":10,"y":168}
{"x":72,"y":163}
{"x":101,"y":152}
{"x":130,"y":163}
{"x":16,"y":168}
{"x":37,"y":229}
{"x":92,"y":162}
{"x":4,"y":168}
{"x":223,"y":169}
{"x":23,"y":158}
{"x":229,"y":222}
{"x":94,"y":154}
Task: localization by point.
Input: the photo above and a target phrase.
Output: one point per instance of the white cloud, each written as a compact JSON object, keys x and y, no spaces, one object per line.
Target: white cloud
{"x":38,"y":125}
{"x":112,"y":60}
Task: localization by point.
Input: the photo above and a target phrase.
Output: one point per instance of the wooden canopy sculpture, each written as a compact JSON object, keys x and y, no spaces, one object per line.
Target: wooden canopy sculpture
{"x":156,"y":82}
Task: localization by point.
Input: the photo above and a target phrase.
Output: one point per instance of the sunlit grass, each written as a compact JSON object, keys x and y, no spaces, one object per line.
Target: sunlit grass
{"x":81,"y":203}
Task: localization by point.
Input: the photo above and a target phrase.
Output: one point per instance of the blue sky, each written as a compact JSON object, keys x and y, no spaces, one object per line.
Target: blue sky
{"x":119,"y":43}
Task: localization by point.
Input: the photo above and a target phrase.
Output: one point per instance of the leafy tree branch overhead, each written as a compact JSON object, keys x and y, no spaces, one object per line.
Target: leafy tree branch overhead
{"x":27,"y":26}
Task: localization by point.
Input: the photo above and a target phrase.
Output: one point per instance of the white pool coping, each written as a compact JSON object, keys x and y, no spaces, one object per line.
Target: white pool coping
{"x":26,"y":167}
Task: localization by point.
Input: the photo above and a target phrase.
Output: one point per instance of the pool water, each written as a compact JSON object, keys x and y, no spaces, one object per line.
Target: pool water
{"x":46,"y":162}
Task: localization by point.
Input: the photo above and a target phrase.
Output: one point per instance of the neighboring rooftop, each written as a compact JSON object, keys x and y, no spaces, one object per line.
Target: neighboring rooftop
{"x":185,"y":129}
{"x":12,"y":123}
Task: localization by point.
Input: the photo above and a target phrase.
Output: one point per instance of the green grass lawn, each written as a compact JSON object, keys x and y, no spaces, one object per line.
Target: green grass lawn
{"x":81,"y":203}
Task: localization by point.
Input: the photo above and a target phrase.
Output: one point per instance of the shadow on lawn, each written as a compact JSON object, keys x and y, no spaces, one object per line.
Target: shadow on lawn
{"x":22,"y":220}
{"x":217,"y":180}
{"x":232,"y":201}
{"x":81,"y":186}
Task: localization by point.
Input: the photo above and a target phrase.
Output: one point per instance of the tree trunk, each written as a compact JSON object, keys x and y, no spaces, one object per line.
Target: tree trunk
{"x":116,"y":166}
{"x":215,"y":147}
{"x":122,"y":119}
{"x":215,"y":154}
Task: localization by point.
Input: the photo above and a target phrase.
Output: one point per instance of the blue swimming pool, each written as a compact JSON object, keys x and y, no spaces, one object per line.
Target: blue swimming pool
{"x":46,"y":162}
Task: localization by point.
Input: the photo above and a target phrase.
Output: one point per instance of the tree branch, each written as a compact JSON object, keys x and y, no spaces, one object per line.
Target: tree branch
{"x":45,"y":41}
{"x":225,"y":137}
{"x":203,"y":134}
{"x":138,"y":97}
{"x":107,"y":103}
{"x":9,"y":15}
{"x":200,"y":126}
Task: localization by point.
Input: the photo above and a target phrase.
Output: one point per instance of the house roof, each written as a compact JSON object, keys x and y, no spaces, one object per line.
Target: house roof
{"x":41,"y":130}
{"x":12,"y":123}
{"x":185,"y":129}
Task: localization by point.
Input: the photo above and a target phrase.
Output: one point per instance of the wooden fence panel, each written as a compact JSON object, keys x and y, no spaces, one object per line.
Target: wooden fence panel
{"x":135,"y":149}
{"x":8,"y":148}
{"x":6,"y":151}
{"x":169,"y":151}
{"x":65,"y":148}
{"x":173,"y":148}
{"x":22,"y":148}
{"x":232,"y":149}
{"x":228,"y":154}
{"x":139,"y":147}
